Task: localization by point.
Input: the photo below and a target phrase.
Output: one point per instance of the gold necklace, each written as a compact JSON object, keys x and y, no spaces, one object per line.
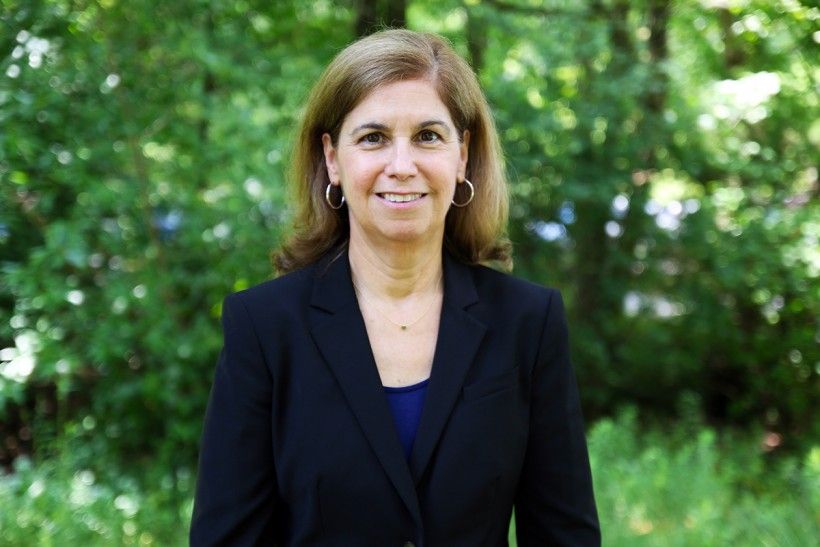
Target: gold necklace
{"x":402,"y":326}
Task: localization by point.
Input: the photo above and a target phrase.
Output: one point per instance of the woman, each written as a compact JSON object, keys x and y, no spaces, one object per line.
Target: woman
{"x":388,"y":390}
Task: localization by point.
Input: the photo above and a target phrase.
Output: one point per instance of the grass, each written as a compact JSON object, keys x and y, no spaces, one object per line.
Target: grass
{"x":691,"y":487}
{"x":679,"y":487}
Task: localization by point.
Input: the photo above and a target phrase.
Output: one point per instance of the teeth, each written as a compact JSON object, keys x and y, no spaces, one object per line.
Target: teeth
{"x":401,"y":198}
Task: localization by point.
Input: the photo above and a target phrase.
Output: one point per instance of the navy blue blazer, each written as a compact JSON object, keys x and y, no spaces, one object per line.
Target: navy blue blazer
{"x":299,"y":446}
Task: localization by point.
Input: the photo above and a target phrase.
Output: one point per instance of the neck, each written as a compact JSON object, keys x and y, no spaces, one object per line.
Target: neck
{"x":397,"y":271}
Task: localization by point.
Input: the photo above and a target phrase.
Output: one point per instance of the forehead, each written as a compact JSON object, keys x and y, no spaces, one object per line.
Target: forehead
{"x":403,"y":101}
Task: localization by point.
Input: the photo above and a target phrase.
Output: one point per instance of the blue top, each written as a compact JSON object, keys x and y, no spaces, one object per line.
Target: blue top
{"x":406,"y":403}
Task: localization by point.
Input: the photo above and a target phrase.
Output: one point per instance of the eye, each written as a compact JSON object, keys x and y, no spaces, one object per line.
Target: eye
{"x":372,"y":138}
{"x":429,"y":136}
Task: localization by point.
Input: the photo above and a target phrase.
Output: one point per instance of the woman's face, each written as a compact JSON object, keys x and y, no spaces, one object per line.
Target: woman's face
{"x":398,"y":159}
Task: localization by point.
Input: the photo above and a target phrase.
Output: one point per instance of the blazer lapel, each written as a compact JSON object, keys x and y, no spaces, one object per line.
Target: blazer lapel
{"x":460,"y":335}
{"x":338,"y":329}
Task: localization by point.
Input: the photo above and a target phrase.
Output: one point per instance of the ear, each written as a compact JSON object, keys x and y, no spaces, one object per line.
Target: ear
{"x":464,"y":152}
{"x":330,"y":159}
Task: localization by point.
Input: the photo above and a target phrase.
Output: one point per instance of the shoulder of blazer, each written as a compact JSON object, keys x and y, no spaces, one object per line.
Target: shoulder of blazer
{"x":497,"y":288}
{"x":282,"y":293}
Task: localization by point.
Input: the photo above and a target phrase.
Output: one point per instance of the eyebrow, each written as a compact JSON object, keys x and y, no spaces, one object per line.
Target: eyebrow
{"x":382,"y":127}
{"x":369,"y":125}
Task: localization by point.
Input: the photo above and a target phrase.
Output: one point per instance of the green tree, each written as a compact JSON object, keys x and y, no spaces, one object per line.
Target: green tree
{"x":662,"y":166}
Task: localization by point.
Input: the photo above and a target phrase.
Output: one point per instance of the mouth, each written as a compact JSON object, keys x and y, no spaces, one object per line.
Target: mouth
{"x":400,"y":198}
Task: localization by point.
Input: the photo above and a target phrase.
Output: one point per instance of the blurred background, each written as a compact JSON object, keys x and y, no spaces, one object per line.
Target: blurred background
{"x":663,"y":167}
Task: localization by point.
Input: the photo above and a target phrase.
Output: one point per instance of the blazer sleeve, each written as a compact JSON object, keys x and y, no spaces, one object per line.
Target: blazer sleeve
{"x":555,"y":504}
{"x":236,"y":484}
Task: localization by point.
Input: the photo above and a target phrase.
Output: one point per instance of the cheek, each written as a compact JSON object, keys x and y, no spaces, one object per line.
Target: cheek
{"x":358,"y":170}
{"x":451,"y":168}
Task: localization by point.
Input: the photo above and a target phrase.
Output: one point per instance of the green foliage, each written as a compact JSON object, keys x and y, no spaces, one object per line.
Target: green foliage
{"x":663,"y":174}
{"x":142,"y":182}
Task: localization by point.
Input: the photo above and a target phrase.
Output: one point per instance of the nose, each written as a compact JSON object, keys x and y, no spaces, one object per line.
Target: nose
{"x":401,"y":163}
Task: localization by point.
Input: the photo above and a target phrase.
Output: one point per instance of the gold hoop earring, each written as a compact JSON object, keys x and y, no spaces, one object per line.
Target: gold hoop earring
{"x":472,"y":195}
{"x":330,"y":203}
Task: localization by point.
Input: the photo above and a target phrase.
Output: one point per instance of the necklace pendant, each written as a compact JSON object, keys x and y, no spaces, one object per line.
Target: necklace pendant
{"x":403,"y":327}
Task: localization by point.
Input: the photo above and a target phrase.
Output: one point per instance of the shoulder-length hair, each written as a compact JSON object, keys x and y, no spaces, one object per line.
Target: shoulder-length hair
{"x":473,"y":234}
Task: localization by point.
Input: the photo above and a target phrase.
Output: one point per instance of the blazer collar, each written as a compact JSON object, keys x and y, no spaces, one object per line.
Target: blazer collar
{"x":338,"y":329}
{"x":459,"y":336}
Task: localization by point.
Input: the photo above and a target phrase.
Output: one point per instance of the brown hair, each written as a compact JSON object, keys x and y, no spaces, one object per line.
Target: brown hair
{"x":473,"y":234}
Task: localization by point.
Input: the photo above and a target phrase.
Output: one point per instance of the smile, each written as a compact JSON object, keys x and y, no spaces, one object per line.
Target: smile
{"x":400,"y":198}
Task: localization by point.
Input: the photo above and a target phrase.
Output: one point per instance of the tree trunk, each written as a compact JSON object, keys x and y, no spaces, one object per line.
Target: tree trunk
{"x":476,"y":39}
{"x":658,"y":18}
{"x":374,"y":15}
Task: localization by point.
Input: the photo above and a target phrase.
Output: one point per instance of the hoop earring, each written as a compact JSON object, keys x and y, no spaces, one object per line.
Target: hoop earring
{"x":330,"y":203}
{"x":472,"y":195}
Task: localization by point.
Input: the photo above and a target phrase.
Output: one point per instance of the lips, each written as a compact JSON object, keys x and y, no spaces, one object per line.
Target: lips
{"x":400,"y":198}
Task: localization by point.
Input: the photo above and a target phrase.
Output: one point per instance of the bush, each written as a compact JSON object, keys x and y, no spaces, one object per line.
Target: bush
{"x":691,"y":486}
{"x":56,"y":503}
